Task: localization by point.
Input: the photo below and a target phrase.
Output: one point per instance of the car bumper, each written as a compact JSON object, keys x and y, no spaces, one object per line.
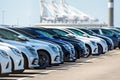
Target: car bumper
{"x":6,"y":67}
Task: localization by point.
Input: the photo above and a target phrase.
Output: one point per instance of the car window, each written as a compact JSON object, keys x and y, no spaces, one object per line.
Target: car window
{"x":107,"y":32}
{"x":60,"y":32}
{"x":6,"y":34}
{"x":29,"y":33}
{"x":96,"y":31}
{"x":116,"y":31}
{"x":87,"y":31}
{"x":44,"y":33}
{"x":77,"y":32}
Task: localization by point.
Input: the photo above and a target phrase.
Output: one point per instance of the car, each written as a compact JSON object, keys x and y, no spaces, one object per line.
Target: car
{"x":106,"y":32}
{"x":48,"y":53}
{"x":117,"y":28}
{"x":78,"y":45}
{"x":15,"y":56}
{"x":29,"y":53}
{"x":107,"y":39}
{"x":102,"y":45}
{"x":67,"y":48}
{"x":5,"y":61}
{"x":91,"y":46}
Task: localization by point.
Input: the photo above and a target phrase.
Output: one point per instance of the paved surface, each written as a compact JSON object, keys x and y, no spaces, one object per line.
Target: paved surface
{"x":103,"y":67}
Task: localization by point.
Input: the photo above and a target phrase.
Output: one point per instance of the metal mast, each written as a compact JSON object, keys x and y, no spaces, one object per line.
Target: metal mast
{"x":111,"y":13}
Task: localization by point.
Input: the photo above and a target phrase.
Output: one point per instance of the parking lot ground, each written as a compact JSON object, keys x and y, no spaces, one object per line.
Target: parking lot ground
{"x":103,"y":67}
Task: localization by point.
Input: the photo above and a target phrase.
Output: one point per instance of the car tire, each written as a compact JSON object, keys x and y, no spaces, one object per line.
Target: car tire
{"x":77,"y":54}
{"x":44,"y":59}
{"x":119,"y":45}
{"x":88,"y":52}
{"x":25,"y":61}
{"x":100,"y":49}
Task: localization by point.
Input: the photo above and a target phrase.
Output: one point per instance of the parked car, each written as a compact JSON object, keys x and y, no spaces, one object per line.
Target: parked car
{"x":67,"y":48}
{"x":102,"y":45}
{"x":5,"y":61}
{"x":117,"y":28}
{"x":48,"y":53}
{"x":108,"y":33}
{"x":16,"y":58}
{"x":29,"y":53}
{"x":78,"y":45}
{"x":107,"y":39}
{"x":91,"y":46}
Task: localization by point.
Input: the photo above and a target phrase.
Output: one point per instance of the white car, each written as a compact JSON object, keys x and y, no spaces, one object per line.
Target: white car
{"x":29,"y":53}
{"x":5,"y":61}
{"x":48,"y":53}
{"x":16,"y":58}
{"x":102,"y":45}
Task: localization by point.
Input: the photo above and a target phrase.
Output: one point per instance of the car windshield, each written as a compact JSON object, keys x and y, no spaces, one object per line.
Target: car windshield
{"x":60,"y":32}
{"x":88,"y":32}
{"x":107,"y":32}
{"x":24,"y":32}
{"x":77,"y":32}
{"x":28,"y":33}
{"x":45,"y":33}
{"x":6,"y":34}
{"x":116,"y":31}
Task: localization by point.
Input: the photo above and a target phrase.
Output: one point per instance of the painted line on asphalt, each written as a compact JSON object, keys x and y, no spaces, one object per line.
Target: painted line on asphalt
{"x":91,"y":60}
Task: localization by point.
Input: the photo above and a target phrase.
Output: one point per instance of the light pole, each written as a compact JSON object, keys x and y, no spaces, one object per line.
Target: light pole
{"x":111,"y":13}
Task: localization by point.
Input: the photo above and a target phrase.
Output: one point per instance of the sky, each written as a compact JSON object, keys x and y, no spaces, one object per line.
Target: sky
{"x":27,"y":12}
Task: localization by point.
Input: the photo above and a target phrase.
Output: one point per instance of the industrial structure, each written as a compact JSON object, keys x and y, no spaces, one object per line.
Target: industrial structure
{"x":62,"y":12}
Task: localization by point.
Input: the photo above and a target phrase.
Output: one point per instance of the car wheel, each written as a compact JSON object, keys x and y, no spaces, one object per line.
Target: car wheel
{"x":0,"y":69}
{"x":44,"y":59}
{"x":119,"y":45}
{"x":100,"y":49}
{"x":77,"y":54}
{"x":25,"y":61}
{"x":88,"y":52}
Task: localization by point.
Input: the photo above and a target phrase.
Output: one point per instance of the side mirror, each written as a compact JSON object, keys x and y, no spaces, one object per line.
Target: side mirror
{"x":56,"y":36}
{"x":114,"y":35}
{"x":22,"y":38}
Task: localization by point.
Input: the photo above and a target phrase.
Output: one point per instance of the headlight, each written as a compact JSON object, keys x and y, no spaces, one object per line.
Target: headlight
{"x":15,"y":51}
{"x":54,"y":48}
{"x":67,"y":47}
{"x":32,"y":50}
{"x":3,"y":53}
{"x":70,"y":45}
{"x":119,"y":38}
{"x":81,"y":45}
{"x":103,"y":41}
{"x":93,"y":43}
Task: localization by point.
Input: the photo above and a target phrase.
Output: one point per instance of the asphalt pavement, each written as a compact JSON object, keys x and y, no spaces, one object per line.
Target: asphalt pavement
{"x":103,"y":67}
